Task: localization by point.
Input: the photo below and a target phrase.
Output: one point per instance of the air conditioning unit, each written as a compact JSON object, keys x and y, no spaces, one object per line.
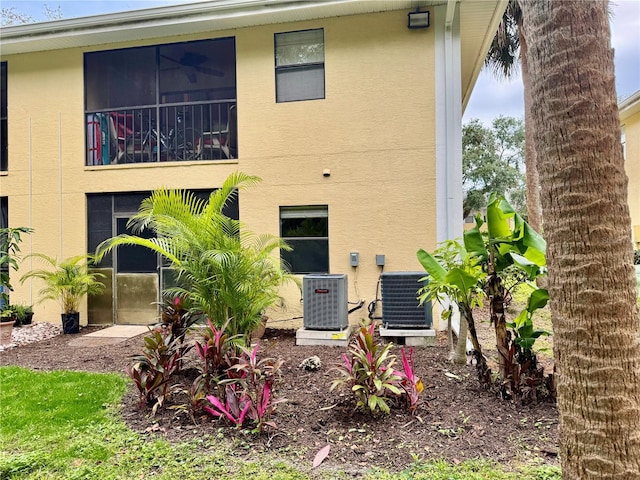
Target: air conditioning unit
{"x":400,"y":305}
{"x":325,"y":299}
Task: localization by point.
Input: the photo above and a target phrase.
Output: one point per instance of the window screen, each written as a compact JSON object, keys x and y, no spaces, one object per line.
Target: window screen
{"x":299,"y":58}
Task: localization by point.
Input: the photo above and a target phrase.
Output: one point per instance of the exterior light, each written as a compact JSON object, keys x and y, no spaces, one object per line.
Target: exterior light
{"x":418,"y":19}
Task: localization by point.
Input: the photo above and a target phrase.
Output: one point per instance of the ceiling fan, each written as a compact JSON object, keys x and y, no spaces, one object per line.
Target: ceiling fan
{"x":193,"y":61}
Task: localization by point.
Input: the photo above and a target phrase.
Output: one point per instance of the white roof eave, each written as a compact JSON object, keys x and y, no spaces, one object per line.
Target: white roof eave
{"x":629,"y":106}
{"x":150,"y":23}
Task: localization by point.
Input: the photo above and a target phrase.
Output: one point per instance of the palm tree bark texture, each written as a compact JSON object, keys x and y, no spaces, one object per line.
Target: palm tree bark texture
{"x":588,"y":232}
{"x":534,"y":211}
{"x":508,"y":46}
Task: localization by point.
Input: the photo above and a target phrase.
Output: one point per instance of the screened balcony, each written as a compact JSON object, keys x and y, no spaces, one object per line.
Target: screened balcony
{"x":166,"y":103}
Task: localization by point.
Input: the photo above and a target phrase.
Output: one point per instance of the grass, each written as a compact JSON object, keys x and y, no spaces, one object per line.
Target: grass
{"x":64,"y":425}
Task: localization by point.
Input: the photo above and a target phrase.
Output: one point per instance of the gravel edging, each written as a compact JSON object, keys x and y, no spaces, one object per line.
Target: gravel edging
{"x":35,"y":332}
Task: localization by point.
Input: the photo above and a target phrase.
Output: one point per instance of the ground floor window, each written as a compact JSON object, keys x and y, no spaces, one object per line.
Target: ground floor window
{"x":306,"y":230}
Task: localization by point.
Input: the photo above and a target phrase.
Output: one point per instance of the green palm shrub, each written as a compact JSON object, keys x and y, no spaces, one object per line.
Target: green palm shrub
{"x":10,"y":240}
{"x":224,"y":271}
{"x":67,"y":281}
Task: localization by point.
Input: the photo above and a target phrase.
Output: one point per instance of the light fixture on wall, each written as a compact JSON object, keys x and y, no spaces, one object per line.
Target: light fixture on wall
{"x":418,"y":19}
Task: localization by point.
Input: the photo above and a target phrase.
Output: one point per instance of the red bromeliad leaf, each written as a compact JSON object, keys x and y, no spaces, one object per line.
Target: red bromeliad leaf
{"x":347,"y":362}
{"x":243,"y":413}
{"x":321,"y":455}
{"x":254,"y":352}
{"x":202,"y":350}
{"x":266,"y":393}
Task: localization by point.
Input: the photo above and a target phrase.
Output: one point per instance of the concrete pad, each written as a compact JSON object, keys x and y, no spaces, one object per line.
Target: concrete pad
{"x":95,"y":341}
{"x":411,"y":337}
{"x":120,"y":331}
{"x":331,"y":338}
{"x":109,"y":336}
{"x":419,"y":341}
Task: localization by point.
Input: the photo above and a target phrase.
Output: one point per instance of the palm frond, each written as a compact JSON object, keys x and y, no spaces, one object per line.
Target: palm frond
{"x":226,"y":272}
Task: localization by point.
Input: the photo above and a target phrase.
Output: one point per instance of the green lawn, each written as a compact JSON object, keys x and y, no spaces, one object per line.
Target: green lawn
{"x":64,"y":425}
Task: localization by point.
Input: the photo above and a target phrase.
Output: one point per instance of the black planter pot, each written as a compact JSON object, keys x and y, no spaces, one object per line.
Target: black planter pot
{"x":70,"y":322}
{"x":28,"y":317}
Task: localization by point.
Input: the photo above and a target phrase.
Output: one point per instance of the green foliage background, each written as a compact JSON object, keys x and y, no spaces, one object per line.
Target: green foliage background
{"x":493,"y":161}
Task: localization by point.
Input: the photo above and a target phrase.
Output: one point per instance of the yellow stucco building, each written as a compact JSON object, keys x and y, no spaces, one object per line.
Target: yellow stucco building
{"x":630,"y":126}
{"x":352,"y":120}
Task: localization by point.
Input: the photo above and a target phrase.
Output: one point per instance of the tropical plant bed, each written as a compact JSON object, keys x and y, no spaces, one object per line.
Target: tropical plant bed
{"x":457,"y":420}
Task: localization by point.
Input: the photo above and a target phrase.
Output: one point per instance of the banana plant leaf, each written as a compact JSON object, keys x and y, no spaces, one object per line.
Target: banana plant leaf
{"x":432,"y":266}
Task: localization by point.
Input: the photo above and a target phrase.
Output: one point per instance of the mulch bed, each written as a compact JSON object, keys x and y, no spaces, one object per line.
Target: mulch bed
{"x":458,"y":420}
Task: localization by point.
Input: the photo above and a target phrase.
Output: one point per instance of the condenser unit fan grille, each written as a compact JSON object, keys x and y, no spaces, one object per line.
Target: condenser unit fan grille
{"x":400,"y":305}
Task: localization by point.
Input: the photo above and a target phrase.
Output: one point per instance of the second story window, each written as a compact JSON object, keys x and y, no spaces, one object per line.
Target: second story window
{"x":4,"y":161}
{"x":299,"y":58}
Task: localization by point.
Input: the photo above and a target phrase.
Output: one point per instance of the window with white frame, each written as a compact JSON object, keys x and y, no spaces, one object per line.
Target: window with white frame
{"x":306,"y":230}
{"x":299,"y":58}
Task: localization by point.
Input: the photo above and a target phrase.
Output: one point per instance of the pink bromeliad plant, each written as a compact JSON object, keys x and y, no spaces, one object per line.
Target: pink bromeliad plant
{"x":368,"y":371}
{"x":249,"y":392}
{"x":216,"y":351}
{"x":235,"y":407}
{"x":409,"y":381}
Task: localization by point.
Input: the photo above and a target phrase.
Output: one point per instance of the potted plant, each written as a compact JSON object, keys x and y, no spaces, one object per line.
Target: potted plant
{"x":23,"y":314}
{"x":7,"y":320}
{"x":68,"y":282}
{"x":260,"y":330}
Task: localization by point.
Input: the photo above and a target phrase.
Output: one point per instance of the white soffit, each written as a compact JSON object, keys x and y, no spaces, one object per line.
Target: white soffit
{"x":178,"y":20}
{"x":479,"y":20}
{"x":629,"y":106}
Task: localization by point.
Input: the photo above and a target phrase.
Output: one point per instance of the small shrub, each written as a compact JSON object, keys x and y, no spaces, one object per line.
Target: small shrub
{"x":369,"y":373}
{"x":216,"y":352}
{"x":148,"y":380}
{"x":151,"y":371}
{"x":248,"y":393}
{"x":176,"y":316}
{"x":235,"y":406}
{"x":410,"y":382}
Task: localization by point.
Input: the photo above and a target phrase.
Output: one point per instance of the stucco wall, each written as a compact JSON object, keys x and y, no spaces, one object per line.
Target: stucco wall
{"x":632,"y":166}
{"x":375,"y":131}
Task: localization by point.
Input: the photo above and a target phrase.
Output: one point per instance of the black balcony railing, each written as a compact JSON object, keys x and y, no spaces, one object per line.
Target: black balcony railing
{"x":194,"y":131}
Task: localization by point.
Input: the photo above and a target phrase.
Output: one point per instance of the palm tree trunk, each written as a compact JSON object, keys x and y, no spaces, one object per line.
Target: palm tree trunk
{"x":534,"y":211}
{"x":452,"y":348}
{"x":494,"y":290}
{"x":588,"y":231}
{"x":484,"y":373}
{"x":460,"y":354}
